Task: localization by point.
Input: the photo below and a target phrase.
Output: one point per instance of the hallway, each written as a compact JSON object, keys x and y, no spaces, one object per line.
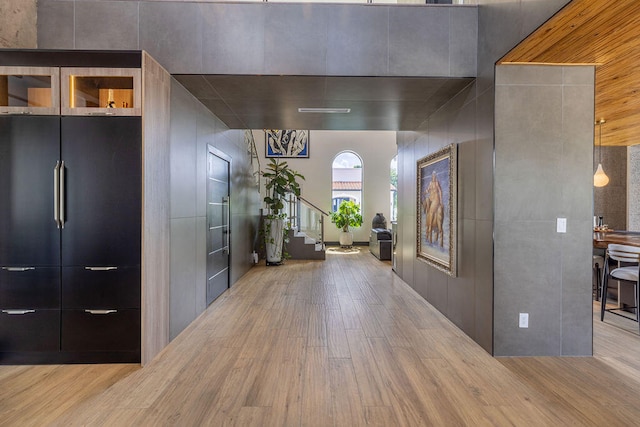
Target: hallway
{"x":343,"y":342}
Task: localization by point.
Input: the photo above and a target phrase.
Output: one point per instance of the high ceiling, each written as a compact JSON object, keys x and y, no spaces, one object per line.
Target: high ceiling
{"x":272,"y":102}
{"x":605,"y":33}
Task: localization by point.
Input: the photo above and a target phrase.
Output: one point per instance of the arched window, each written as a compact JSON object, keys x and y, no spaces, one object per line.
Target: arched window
{"x":347,"y":179}
{"x":394,"y":188}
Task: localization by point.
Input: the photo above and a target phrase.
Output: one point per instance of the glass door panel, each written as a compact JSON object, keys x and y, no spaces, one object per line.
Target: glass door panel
{"x":29,"y":90}
{"x":101,"y":91}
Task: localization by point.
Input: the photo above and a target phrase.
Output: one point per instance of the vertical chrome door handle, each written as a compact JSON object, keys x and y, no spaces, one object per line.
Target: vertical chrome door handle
{"x":56,"y":194}
{"x":225,"y":199}
{"x":61,"y":204}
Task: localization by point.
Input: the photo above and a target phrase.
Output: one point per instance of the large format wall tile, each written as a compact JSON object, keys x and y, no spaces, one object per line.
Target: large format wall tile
{"x":295,"y":41}
{"x":528,"y":279}
{"x":201,"y":265}
{"x":633,"y":208}
{"x":93,"y":31}
{"x":265,"y":38}
{"x":418,"y":41}
{"x":484,"y":156}
{"x":483,"y":291}
{"x":543,"y":143}
{"x":358,"y":41}
{"x":183,"y":152}
{"x":528,"y":152}
{"x":577,"y":179}
{"x":461,"y":291}
{"x":463,"y":36}
{"x":577,"y":306}
{"x":55,"y":24}
{"x":172,"y":33}
{"x":233,"y":38}
{"x":183,"y":275}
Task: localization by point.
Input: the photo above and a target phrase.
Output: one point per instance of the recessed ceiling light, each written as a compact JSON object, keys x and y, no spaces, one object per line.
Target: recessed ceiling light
{"x":325,"y":110}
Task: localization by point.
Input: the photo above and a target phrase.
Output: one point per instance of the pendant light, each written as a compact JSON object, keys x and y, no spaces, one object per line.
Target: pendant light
{"x":600,"y":179}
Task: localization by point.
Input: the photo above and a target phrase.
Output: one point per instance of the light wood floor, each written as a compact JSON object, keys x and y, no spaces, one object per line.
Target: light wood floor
{"x":337,"y":343}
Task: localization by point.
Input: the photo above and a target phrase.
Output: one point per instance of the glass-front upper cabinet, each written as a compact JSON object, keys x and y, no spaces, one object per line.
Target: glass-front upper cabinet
{"x":101,"y":91}
{"x":30,"y":90}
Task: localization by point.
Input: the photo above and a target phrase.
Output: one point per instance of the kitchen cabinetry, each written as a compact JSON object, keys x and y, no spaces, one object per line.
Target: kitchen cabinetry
{"x":71,"y":225}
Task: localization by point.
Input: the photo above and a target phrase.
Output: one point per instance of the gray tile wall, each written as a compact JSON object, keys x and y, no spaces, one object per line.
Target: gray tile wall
{"x":271,"y":38}
{"x":193,"y":127}
{"x":466,"y":299}
{"x":610,"y":201}
{"x":543,"y":171}
{"x":633,"y":192}
{"x":501,"y":26}
{"x":469,"y":299}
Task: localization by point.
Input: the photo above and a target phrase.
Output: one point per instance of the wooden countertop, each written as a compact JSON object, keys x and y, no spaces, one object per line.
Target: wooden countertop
{"x":602,"y":238}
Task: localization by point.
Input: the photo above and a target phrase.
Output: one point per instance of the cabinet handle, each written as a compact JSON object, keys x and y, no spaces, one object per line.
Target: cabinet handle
{"x":18,"y":268}
{"x":101,"y":268}
{"x":17,"y":312}
{"x":23,"y":113}
{"x":62,"y":185}
{"x":56,"y":194}
{"x":101,"y":311}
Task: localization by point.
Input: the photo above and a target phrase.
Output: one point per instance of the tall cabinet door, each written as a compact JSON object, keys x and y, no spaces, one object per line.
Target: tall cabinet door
{"x":102,"y":186}
{"x":101,"y":239}
{"x":29,"y":236}
{"x":29,"y":150}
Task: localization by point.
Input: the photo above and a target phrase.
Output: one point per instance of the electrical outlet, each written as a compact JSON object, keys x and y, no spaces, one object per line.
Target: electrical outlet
{"x":524,"y":320}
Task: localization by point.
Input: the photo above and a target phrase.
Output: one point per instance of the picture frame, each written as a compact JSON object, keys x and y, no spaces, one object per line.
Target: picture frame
{"x":436,"y":195}
{"x":287,"y":143}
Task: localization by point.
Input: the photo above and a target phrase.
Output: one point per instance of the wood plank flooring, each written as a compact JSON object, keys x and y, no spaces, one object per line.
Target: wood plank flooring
{"x":342,"y":342}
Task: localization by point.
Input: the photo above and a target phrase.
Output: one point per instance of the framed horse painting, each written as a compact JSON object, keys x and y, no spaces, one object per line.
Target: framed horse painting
{"x":437,"y":187}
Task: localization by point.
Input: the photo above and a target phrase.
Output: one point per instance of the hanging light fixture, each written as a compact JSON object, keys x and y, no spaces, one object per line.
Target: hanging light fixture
{"x":600,"y":179}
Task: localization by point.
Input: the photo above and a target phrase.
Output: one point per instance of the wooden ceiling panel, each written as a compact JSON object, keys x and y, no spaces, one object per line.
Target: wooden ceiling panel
{"x":606,"y":34}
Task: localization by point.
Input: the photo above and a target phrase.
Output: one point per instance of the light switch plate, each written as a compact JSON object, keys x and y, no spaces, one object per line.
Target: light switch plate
{"x":561,"y":225}
{"x":524,"y":320}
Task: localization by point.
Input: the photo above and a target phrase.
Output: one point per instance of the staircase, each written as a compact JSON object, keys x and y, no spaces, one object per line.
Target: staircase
{"x":301,"y":246}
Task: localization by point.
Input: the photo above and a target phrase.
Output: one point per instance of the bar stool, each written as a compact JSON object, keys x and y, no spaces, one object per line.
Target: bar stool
{"x":628,"y":274}
{"x":598,"y":264}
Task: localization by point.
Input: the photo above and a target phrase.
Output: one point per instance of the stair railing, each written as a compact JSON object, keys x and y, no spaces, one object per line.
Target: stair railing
{"x":306,"y":217}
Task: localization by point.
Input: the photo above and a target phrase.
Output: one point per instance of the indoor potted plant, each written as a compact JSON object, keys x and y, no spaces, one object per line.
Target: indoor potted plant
{"x":279,"y":180}
{"x":347,"y":215}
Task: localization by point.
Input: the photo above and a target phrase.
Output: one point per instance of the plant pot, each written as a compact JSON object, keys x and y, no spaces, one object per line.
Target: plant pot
{"x":346,"y":239}
{"x":274,"y":240}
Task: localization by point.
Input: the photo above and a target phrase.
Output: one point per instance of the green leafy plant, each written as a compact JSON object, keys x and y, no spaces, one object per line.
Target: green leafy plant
{"x":347,"y":215}
{"x":279,"y":180}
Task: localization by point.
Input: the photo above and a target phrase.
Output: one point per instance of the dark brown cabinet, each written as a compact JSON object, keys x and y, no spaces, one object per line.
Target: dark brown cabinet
{"x":70,"y":239}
